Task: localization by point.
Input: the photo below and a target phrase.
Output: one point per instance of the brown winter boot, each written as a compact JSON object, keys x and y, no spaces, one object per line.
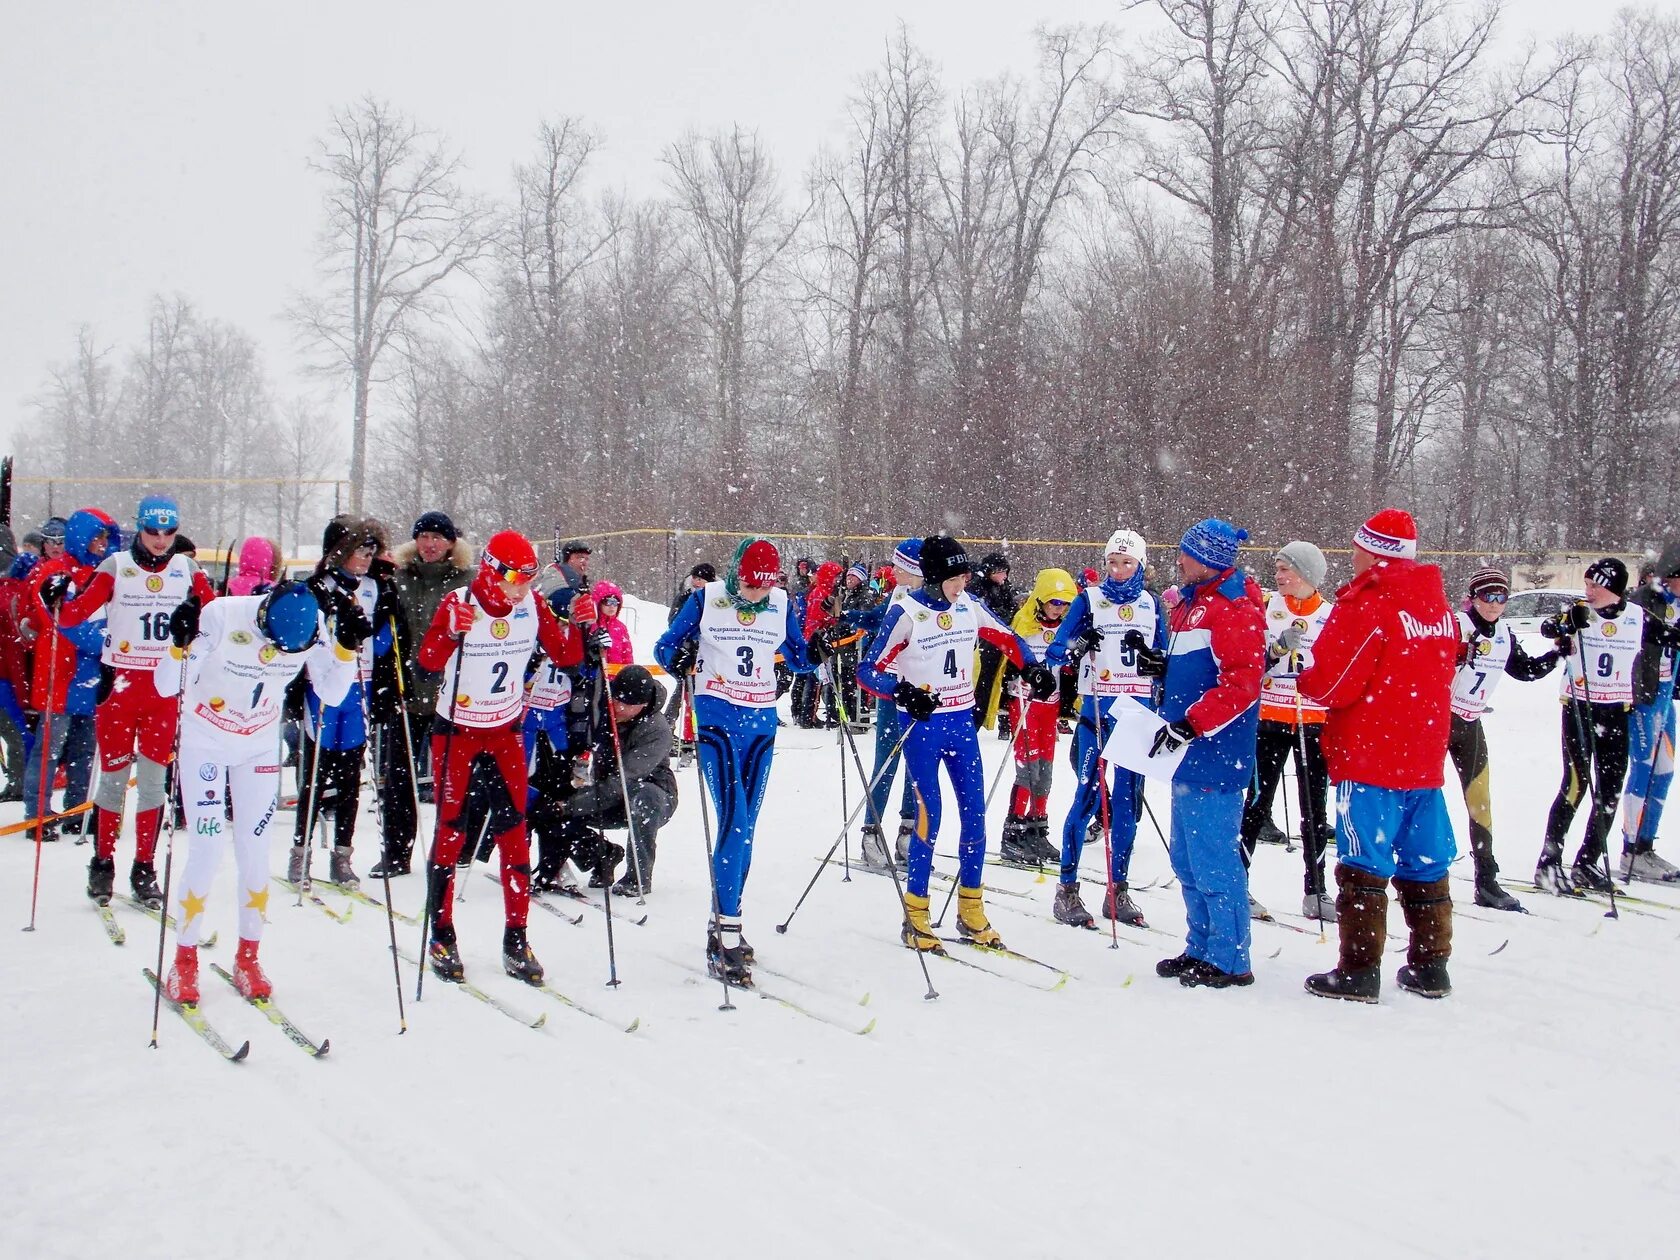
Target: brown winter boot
{"x":1428,"y":911}
{"x":1362,"y":925}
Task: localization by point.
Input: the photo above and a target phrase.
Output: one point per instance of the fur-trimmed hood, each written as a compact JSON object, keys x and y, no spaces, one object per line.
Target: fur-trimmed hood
{"x":460,"y":555}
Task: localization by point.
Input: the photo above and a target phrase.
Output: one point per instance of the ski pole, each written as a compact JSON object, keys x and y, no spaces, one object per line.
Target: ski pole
{"x":624,"y":795}
{"x":892,"y":866}
{"x":845,"y":718}
{"x":863,"y":804}
{"x":1590,"y":752}
{"x":596,"y":687}
{"x":169,"y":851}
{"x":44,"y":789}
{"x":379,"y":808}
{"x":314,"y":778}
{"x":706,"y":828}
{"x":1107,"y":825}
{"x":440,"y":782}
{"x":1017,"y":725}
{"x":1311,"y":836}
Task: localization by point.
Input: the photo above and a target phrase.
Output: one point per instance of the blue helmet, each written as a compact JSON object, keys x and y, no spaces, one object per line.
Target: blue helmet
{"x":158,"y":511}
{"x":290,"y":617}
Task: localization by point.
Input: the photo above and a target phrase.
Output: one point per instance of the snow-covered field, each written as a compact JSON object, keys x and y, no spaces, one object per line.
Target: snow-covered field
{"x":1534,"y":1113}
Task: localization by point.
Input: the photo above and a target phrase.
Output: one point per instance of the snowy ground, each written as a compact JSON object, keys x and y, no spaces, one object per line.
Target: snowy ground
{"x":1122,"y":1113}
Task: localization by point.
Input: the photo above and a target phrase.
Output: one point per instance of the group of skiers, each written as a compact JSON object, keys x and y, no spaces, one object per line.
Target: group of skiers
{"x":509,"y":691}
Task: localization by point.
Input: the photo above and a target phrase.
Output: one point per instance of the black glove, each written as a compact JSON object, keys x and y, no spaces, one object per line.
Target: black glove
{"x":919,"y":704}
{"x":183,"y":622}
{"x":1150,"y":663}
{"x":1087,"y":641}
{"x":1171,"y":737}
{"x":350,"y":625}
{"x":1580,"y":616}
{"x":54,"y":589}
{"x":683,"y":659}
{"x":598,"y":638}
{"x":1040,"y":680}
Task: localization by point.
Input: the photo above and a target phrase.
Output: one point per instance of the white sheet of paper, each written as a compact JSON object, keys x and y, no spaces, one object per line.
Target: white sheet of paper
{"x":1128,"y":743}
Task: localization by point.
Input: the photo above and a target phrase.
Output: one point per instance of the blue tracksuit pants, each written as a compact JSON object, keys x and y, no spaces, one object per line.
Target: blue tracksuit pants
{"x":1647,"y":785}
{"x":1207,"y":858}
{"x":1125,"y":798}
{"x":735,"y":745}
{"x":1394,"y":833}
{"x":948,"y":739}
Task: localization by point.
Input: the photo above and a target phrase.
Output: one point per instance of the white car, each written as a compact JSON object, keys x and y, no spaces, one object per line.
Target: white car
{"x":1525,"y":610}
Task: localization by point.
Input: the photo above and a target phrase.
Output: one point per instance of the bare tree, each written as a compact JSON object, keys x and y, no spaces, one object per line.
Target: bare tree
{"x":398,"y":225}
{"x":724,"y":185}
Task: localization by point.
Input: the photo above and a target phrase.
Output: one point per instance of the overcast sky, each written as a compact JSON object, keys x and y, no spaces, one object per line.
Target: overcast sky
{"x":159,"y":146}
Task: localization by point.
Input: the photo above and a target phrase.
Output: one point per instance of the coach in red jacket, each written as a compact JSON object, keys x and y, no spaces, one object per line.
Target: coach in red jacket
{"x":1383,"y":665}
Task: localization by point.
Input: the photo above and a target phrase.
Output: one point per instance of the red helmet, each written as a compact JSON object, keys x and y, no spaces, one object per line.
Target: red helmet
{"x":508,"y":557}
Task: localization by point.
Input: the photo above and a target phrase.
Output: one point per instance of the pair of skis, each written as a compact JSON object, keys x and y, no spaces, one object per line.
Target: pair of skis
{"x":195,"y":1019}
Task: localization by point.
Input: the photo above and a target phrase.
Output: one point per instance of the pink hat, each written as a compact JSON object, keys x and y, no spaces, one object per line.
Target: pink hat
{"x":1390,"y":534}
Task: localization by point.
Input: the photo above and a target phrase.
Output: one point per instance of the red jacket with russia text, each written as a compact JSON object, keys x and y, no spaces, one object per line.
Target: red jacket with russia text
{"x":1383,"y":665}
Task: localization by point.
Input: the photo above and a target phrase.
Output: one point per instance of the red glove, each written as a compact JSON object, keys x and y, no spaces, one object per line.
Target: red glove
{"x":583,"y":611}
{"x":460,"y":617}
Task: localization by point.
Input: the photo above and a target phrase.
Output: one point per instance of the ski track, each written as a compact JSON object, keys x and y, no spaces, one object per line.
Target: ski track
{"x":999,"y":1119}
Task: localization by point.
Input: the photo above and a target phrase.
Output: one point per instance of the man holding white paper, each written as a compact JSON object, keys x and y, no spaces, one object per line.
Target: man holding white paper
{"x":1216,"y":652}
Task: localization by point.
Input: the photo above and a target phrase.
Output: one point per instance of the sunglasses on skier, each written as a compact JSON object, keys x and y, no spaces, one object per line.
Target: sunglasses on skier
{"x":509,"y":573}
{"x":160,"y":533}
{"x":1494,"y":597}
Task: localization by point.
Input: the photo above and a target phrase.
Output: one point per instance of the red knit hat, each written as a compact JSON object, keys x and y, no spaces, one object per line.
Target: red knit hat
{"x":1391,"y":534}
{"x":761,"y":564}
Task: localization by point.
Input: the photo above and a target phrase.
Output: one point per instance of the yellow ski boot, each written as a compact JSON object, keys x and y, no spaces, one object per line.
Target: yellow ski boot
{"x":917,"y":932}
{"x":972,"y":925}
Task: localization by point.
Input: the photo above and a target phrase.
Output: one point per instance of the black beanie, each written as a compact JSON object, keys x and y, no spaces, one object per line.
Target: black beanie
{"x":634,"y":685}
{"x":436,"y":523}
{"x":943,"y":558}
{"x":703,"y":571}
{"x":1609,"y":573}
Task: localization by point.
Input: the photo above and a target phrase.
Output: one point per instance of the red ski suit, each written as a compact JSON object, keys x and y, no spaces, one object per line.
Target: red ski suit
{"x":455,"y":750}
{"x":1383,"y":665}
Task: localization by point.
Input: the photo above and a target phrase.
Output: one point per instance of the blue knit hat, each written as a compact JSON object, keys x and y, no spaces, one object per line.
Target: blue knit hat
{"x":1213,"y":542}
{"x":908,"y":556}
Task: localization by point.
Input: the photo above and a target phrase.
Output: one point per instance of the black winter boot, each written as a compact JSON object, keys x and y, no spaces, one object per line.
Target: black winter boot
{"x":142,"y":881}
{"x":101,"y":874}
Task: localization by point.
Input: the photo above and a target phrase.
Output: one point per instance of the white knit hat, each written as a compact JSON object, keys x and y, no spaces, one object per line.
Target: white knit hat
{"x":1127,"y":542}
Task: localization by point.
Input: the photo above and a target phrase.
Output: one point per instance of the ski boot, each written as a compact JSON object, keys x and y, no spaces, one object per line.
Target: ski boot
{"x":609,"y":856}
{"x":1643,"y":864}
{"x":1017,"y":847}
{"x":339,"y":870}
{"x":444,"y":957}
{"x":1550,"y":877}
{"x":1201,"y":974}
{"x":1428,"y":911}
{"x":917,"y":932}
{"x":1426,"y":979}
{"x":1038,"y":833}
{"x":248,"y":976}
{"x":972,"y":924}
{"x":725,"y":957}
{"x":1589,"y":875}
{"x":1175,"y":968}
{"x":872,"y":848}
{"x":294,"y":864}
{"x":1361,"y":985}
{"x":1093,"y":831}
{"x":142,"y":881}
{"x":901,"y":846}
{"x":1320,"y":906}
{"x":390,"y":866}
{"x":1492,"y":897}
{"x":1258,"y":911}
{"x":627,"y":887}
{"x":517,"y":959}
{"x":1069,"y":909}
{"x":1362,"y":928}
{"x":1119,"y":906}
{"x":101,"y":874}
{"x":182,"y":985}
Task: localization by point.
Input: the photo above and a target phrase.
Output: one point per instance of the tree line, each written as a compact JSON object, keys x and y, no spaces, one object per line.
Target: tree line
{"x":1284,"y":260}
